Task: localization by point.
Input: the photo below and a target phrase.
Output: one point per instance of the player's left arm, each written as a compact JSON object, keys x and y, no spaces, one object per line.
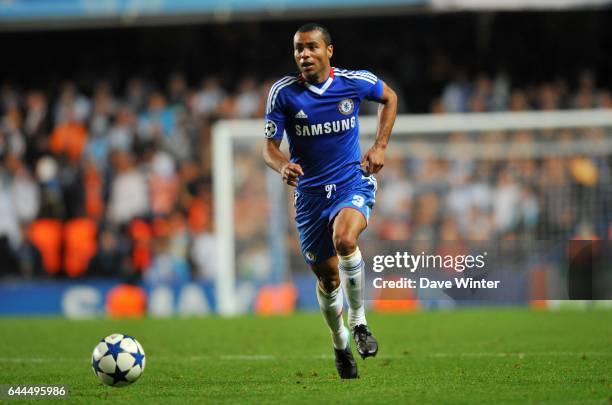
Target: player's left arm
{"x":374,"y":159}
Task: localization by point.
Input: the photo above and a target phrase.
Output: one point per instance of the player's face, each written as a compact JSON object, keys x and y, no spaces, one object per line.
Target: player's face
{"x":312,"y":55}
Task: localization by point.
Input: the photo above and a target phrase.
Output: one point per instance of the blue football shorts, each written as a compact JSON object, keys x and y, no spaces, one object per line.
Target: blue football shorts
{"x":316,"y":210}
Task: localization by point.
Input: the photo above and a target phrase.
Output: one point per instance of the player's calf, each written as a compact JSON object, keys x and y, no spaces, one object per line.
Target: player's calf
{"x":331,"y":308}
{"x":351,"y":276}
{"x":351,"y":273}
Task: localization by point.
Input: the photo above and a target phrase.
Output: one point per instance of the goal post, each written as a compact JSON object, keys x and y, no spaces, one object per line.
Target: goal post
{"x":227,"y":133}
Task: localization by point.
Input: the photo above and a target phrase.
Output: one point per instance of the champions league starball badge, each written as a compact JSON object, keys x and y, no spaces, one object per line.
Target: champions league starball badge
{"x":346,"y":106}
{"x":270,"y":129}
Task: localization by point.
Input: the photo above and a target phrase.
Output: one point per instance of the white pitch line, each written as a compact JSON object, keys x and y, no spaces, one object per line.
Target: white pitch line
{"x":268,"y":357}
{"x":248,"y":357}
{"x":513,"y":354}
{"x":34,"y":359}
{"x":489,"y":354}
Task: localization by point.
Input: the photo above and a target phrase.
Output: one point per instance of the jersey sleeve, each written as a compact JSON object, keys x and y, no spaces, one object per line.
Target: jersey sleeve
{"x":370,"y":86}
{"x":275,"y":113}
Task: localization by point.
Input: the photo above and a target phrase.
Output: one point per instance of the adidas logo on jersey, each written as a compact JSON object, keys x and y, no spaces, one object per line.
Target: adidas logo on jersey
{"x":301,"y":114}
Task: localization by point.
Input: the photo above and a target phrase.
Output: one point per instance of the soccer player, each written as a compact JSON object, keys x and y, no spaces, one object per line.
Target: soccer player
{"x":334,"y":193}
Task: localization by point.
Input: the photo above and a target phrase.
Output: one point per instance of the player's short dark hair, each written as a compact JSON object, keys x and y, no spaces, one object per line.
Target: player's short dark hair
{"x":317,"y":27}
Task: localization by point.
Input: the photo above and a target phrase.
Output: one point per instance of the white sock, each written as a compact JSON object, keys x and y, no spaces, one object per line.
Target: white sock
{"x":331,"y":307}
{"x":351,"y":276}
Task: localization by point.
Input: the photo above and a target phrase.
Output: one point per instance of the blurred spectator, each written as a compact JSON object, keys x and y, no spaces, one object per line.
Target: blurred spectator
{"x":24,"y":190}
{"x":204,"y":255}
{"x":177,"y":90}
{"x":585,"y":95}
{"x":36,"y":126}
{"x":128,"y":191}
{"x":209,"y":97}
{"x":456,"y":94}
{"x":556,"y":198}
{"x":9,"y":220}
{"x":426,"y":216}
{"x":396,"y":197}
{"x":71,"y":106}
{"x":158,"y":120}
{"x":109,"y":258}
{"x":29,"y":257}
{"x":9,"y":98}
{"x":12,"y":140}
{"x":69,"y":137}
{"x":505,"y":202}
{"x":51,"y":197}
{"x":163,"y":184}
{"x":179,"y":237}
{"x":121,"y":134}
{"x":167,"y":266}
{"x":248,"y":98}
{"x":71,"y":179}
{"x":529,"y":211}
{"x":548,"y":97}
{"x":136,"y":94}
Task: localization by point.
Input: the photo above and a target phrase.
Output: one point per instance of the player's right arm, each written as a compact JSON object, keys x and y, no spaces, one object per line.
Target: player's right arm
{"x":277,"y":160}
{"x":274,"y":129}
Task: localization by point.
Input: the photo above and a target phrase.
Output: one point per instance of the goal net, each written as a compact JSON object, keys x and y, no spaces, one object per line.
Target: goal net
{"x":528,"y":177}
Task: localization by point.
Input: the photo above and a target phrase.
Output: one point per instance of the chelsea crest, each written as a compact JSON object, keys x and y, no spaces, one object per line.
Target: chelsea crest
{"x":346,"y":106}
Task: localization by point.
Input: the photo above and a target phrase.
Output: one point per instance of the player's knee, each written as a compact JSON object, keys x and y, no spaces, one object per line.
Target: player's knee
{"x":345,"y":244}
{"x":329,"y":283}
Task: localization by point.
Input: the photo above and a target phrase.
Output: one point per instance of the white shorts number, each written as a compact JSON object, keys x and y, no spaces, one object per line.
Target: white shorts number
{"x":358,"y":200}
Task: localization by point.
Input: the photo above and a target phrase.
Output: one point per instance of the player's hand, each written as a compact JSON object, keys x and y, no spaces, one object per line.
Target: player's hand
{"x":290,"y":173}
{"x":373,"y":160}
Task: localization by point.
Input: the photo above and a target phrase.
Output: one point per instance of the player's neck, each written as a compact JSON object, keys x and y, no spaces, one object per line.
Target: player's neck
{"x":322,"y":77}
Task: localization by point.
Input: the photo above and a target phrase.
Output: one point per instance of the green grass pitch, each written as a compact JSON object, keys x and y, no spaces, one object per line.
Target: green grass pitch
{"x":455,"y":357}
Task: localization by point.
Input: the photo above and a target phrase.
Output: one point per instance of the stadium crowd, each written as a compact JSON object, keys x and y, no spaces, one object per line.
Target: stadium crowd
{"x":118,"y":183}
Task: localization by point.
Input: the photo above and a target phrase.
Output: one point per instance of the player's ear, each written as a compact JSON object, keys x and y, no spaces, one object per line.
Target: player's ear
{"x":330,"y":51}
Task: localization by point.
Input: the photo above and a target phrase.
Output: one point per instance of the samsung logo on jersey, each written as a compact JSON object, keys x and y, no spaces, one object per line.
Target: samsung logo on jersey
{"x":325,"y":128}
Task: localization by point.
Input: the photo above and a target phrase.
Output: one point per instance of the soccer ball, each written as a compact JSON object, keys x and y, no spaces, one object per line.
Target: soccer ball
{"x":118,"y":360}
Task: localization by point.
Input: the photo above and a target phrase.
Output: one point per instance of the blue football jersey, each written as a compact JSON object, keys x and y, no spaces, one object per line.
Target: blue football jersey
{"x":321,"y":123}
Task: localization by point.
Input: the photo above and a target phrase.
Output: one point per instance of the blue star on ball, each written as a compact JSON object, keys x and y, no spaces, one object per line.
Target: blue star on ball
{"x":138,"y":358}
{"x":114,"y":349}
{"x":96,"y":365}
{"x":119,"y":375}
